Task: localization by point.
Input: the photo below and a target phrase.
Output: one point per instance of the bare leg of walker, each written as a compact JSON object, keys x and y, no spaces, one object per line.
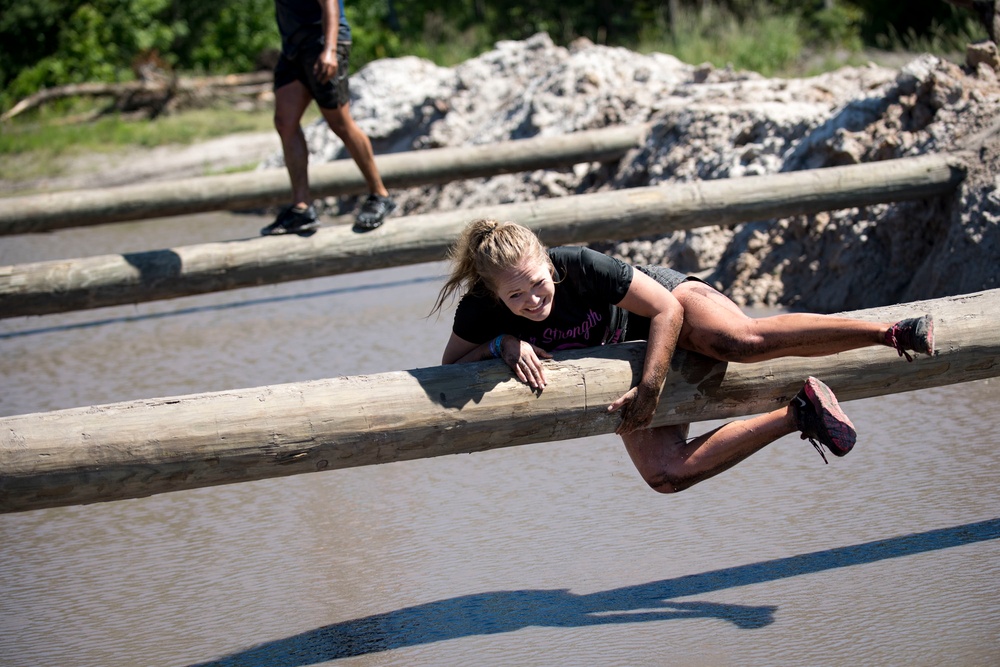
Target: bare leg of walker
{"x":291,"y":101}
{"x":378,"y":205}
{"x":358,"y":145}
{"x":299,"y":217}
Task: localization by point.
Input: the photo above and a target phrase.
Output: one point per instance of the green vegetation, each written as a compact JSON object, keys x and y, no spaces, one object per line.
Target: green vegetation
{"x":41,"y":145}
{"x":49,"y":43}
{"x":108,"y":132}
{"x":768,"y":43}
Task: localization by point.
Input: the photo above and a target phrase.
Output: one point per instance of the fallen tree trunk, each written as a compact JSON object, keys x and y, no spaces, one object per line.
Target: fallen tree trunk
{"x":80,"y":208}
{"x":162,"y":86}
{"x":75,"y":284}
{"x":145,"y":447}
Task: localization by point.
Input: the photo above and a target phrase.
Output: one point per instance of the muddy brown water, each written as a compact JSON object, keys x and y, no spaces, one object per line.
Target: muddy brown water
{"x":547,"y":554}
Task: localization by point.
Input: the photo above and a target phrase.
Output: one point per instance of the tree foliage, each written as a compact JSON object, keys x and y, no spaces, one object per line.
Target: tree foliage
{"x":49,"y":42}
{"x":53,"y":42}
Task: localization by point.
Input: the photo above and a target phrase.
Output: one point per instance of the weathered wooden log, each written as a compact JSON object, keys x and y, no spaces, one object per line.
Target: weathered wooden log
{"x":79,"y":208}
{"x":145,"y":447}
{"x":162,"y":85}
{"x":75,"y":284}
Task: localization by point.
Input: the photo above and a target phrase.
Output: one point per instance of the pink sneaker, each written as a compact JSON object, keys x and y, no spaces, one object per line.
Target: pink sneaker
{"x":822,"y":422}
{"x":915,"y":333}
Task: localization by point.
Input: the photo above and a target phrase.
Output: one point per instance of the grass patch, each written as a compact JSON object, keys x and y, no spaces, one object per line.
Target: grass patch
{"x":42,"y":143}
{"x":766,"y":43}
{"x":55,"y":136}
{"x":238,"y":169}
{"x":447,"y":46}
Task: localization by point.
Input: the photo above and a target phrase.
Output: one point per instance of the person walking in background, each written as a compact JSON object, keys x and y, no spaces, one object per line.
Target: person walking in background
{"x":315,"y":53}
{"x":522,"y":301}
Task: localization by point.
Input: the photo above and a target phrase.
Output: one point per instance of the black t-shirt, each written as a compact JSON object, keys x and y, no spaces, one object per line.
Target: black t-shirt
{"x":588,"y":284}
{"x":300,"y":21}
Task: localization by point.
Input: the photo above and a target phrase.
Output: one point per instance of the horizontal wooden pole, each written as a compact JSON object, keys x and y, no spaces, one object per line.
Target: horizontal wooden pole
{"x":145,"y":447}
{"x":78,"y":208}
{"x":75,"y":284}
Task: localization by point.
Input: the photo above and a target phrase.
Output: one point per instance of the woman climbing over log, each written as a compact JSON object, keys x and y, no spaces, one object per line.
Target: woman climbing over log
{"x":521,"y":301}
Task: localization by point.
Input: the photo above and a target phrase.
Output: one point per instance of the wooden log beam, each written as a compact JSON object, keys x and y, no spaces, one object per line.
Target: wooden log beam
{"x":140,"y":448}
{"x":75,"y":284}
{"x":79,"y":208}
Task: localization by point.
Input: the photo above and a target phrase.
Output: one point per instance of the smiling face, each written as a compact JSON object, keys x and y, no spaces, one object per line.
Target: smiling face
{"x":527,"y":288}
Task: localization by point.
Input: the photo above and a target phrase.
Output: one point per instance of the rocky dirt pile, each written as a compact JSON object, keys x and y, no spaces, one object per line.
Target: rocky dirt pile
{"x":710,"y":123}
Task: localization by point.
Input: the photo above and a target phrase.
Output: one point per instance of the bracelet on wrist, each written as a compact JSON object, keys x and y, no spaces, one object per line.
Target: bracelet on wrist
{"x":496,"y":347}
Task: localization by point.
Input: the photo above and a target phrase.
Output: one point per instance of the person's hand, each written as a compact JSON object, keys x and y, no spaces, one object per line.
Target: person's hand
{"x":526,"y":361}
{"x":325,"y":67}
{"x":637,"y":406}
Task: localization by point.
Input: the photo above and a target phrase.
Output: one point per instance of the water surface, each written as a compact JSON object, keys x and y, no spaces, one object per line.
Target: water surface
{"x":547,"y":554}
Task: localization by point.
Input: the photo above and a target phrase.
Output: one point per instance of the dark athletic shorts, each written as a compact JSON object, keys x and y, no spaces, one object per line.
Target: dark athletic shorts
{"x":638,"y":327}
{"x":334,"y":93}
{"x":666,"y":277}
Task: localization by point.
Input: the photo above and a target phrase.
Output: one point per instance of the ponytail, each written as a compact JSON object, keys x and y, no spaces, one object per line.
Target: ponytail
{"x":486,"y":248}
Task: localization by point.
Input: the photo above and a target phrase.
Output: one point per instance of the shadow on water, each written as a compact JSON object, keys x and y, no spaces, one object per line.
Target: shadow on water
{"x":507,"y":611}
{"x":218,"y":307}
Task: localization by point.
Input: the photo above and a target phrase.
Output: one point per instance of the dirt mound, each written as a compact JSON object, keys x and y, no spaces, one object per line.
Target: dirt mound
{"x":718,"y":123}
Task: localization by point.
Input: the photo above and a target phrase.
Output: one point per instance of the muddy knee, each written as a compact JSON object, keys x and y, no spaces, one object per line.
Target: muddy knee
{"x":736,"y":346}
{"x":668,"y":482}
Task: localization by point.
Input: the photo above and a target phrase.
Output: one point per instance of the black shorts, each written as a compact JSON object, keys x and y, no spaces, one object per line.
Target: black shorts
{"x":329,"y":95}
